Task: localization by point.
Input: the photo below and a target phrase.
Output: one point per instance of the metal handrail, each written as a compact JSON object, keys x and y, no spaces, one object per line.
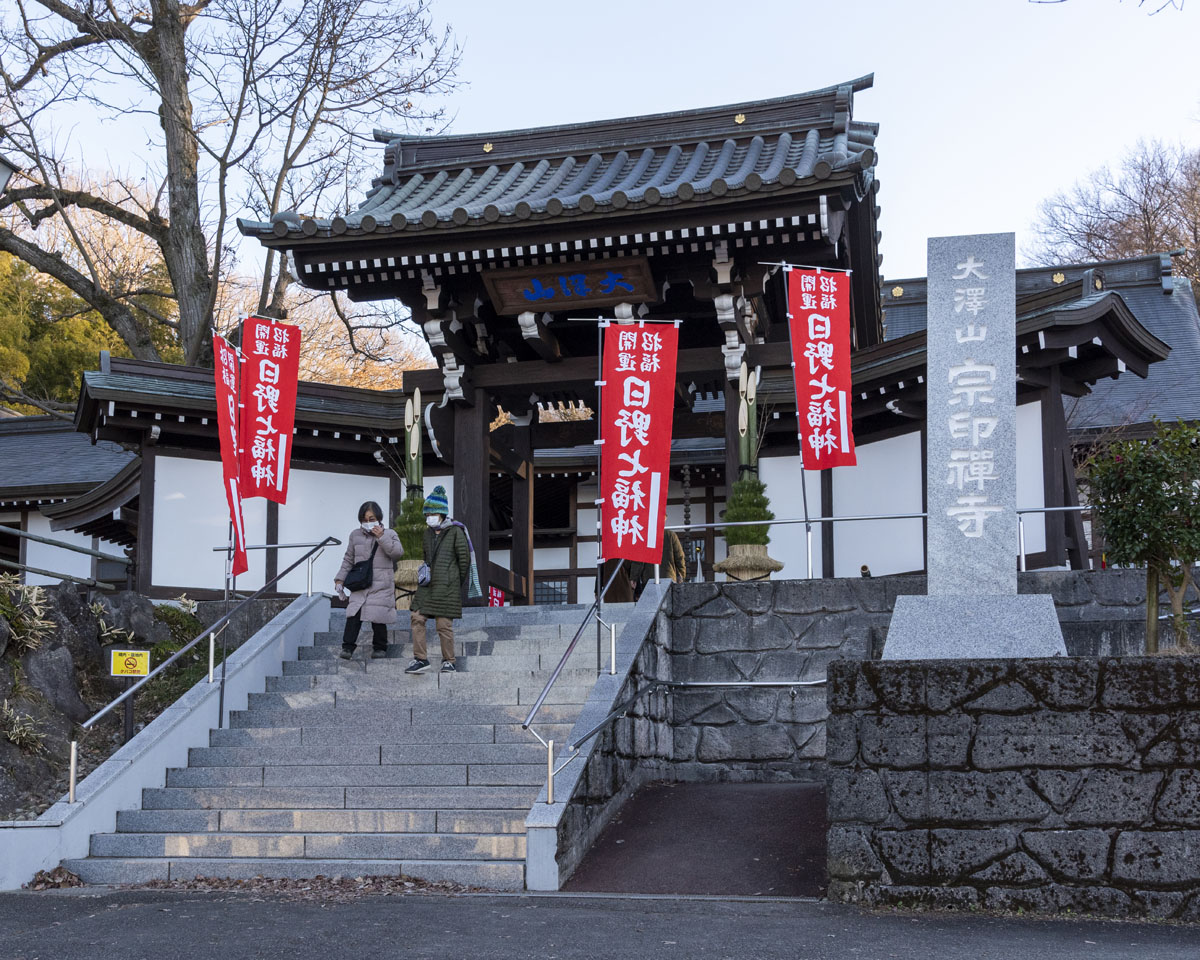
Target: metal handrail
{"x":277,"y":546}
{"x":537,"y":704}
{"x":623,"y":708}
{"x":25,"y":534}
{"x":1021,"y":511}
{"x":86,"y":581}
{"x":211,"y":632}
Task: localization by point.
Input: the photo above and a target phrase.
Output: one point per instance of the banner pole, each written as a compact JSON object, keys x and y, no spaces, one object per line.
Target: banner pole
{"x":799,"y":431}
{"x":599,"y":497}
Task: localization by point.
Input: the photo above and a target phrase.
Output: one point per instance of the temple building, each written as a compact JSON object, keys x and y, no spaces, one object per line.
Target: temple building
{"x":508,"y":247}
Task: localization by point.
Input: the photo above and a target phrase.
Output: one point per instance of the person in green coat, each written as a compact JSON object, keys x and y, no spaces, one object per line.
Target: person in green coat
{"x":449,"y":560}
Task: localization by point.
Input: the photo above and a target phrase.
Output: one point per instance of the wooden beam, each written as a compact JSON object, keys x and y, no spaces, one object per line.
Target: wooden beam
{"x":521,"y":557}
{"x":472,"y":476}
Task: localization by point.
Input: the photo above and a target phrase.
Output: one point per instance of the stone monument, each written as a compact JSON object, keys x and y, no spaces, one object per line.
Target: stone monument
{"x":972,"y":608}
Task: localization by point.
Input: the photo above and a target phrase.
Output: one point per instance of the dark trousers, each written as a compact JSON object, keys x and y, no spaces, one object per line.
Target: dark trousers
{"x":354,"y":625}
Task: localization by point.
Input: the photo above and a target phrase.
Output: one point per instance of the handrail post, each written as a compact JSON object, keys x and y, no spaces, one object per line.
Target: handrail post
{"x":549,"y":771}
{"x":310,"y":565}
{"x":808,"y":547}
{"x":612,"y":649}
{"x":1021,"y":538}
{"x":74,"y":771}
{"x":212,"y":654}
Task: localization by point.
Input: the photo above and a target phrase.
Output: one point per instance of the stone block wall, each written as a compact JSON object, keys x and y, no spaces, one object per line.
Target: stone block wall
{"x":1051,"y":785}
{"x":765,"y":631}
{"x":794,"y":629}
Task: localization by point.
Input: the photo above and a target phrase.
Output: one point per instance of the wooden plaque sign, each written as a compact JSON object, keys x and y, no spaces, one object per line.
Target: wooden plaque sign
{"x":562,"y":286}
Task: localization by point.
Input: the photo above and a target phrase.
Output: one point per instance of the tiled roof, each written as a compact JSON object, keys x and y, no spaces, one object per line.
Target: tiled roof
{"x":1164,"y":304}
{"x":44,"y":457}
{"x":191,"y":388}
{"x":548,"y":173}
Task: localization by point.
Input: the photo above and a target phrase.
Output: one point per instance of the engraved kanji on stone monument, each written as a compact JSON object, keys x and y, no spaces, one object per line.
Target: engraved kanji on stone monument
{"x":972,"y":608}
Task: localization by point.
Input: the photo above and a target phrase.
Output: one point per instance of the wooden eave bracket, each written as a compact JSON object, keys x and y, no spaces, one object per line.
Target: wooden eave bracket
{"x":535,"y":332}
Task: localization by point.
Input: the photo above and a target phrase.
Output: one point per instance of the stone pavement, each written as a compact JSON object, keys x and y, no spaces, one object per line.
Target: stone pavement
{"x":143,"y":924}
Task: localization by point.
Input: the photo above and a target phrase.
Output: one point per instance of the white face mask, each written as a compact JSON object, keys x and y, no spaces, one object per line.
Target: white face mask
{"x":434,"y":520}
{"x":369,"y":525}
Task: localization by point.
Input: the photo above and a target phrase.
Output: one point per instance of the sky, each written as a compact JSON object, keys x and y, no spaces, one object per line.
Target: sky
{"x":985,"y":107}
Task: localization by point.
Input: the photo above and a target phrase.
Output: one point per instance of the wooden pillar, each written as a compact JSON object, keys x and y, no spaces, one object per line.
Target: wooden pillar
{"x":826,"y":561}
{"x":1052,"y":478}
{"x":145,"y":529}
{"x":472,"y":479}
{"x":521,"y":558}
{"x":1064,"y":529}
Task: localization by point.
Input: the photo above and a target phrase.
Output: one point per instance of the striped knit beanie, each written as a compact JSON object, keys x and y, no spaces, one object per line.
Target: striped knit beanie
{"x":436,"y":502}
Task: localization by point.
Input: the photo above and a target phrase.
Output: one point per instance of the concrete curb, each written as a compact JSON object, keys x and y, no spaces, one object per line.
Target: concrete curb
{"x":545,"y":821}
{"x":64,"y":831}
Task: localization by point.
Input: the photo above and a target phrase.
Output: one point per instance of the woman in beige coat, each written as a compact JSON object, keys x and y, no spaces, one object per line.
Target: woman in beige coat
{"x":376,"y":604}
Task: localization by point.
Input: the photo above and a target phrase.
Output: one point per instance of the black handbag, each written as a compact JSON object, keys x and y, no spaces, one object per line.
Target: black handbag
{"x":362,"y":573}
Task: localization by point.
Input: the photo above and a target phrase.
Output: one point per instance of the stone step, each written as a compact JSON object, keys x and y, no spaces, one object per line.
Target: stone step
{"x":320,"y":846}
{"x":500,"y":695}
{"x":388,"y":676}
{"x":321,"y":821}
{"x":167,"y":821}
{"x":491,"y":875}
{"x":505,"y":695}
{"x":384,"y":731}
{"x":339,"y":798}
{"x":362,"y":775}
{"x":420,"y":714}
{"x":331,"y":662}
{"x":369,"y":755}
{"x":547,"y":649}
{"x":462,"y":634}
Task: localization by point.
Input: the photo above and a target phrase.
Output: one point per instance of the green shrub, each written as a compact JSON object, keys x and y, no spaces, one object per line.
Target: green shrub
{"x":410,"y":526}
{"x":748,"y":501}
{"x":1147,"y":497}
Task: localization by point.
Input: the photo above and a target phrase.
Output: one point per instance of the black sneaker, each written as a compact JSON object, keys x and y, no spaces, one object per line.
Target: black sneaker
{"x":417,"y":666}
{"x":449,"y":667}
{"x":378,"y":654}
{"x":346,"y":654}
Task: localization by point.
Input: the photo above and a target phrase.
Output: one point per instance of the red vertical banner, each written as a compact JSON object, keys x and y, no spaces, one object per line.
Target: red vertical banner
{"x":819,"y":325}
{"x":269,"y":378}
{"x":226,"y":370}
{"x":636,"y":408}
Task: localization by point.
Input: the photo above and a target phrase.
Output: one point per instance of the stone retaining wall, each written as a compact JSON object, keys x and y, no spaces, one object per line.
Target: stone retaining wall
{"x":1051,"y":785}
{"x":794,"y":629}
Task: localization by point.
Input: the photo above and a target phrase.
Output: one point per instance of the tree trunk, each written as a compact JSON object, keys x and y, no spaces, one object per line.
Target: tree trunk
{"x":1151,"y":609}
{"x":185,"y":249}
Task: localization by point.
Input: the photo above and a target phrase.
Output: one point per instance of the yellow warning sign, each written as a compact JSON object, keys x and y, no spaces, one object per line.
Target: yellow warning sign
{"x":130,"y":663}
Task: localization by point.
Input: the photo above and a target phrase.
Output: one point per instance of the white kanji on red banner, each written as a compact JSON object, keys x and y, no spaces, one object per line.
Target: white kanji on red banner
{"x":637,"y":404}
{"x":272,"y":364}
{"x":819,"y":324}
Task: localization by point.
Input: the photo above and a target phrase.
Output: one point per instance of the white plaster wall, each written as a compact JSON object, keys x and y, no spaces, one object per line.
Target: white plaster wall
{"x":788,"y":546}
{"x":1031,"y":491}
{"x":190,"y":518}
{"x":55,"y":558}
{"x":887,"y":479}
{"x":319,"y":505}
{"x":551,"y":558}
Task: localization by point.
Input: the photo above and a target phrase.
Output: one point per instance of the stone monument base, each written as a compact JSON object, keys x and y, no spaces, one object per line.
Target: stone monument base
{"x":973,"y":627}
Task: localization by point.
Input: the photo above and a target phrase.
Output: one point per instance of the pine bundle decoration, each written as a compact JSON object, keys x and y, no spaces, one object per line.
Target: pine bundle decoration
{"x":410,"y":526}
{"x":747,"y":502}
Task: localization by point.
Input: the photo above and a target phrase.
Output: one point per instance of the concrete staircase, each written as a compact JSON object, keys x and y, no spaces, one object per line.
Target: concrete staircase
{"x":355,"y":768}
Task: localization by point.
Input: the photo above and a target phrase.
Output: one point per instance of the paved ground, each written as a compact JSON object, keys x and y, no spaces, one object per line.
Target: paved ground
{"x":132,"y":925}
{"x":741,"y":839}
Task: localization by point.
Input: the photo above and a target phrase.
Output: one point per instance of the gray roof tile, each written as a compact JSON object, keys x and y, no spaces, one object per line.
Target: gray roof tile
{"x":551,"y":172}
{"x":1163,"y":304}
{"x":48,"y":455}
